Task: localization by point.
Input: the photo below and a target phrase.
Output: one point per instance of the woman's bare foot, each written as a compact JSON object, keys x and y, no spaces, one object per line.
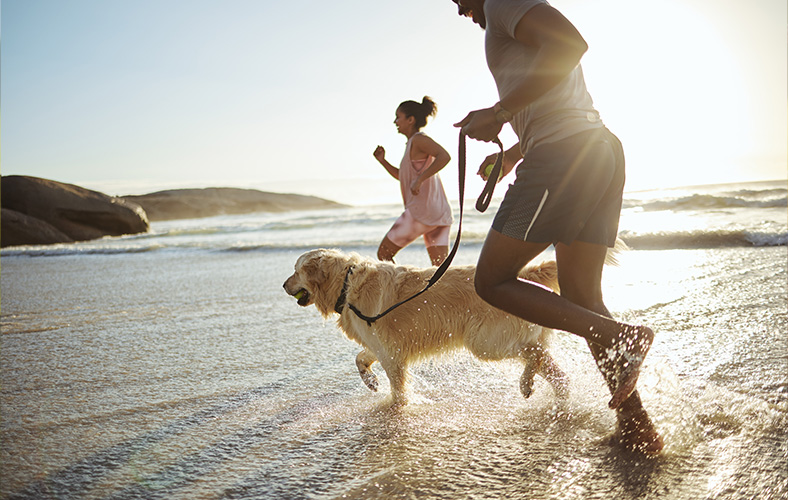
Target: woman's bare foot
{"x":632,"y":352}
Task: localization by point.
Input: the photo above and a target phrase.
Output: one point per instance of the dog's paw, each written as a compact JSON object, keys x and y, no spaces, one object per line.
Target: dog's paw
{"x":526,"y":386}
{"x":527,"y":380}
{"x":371,"y":380}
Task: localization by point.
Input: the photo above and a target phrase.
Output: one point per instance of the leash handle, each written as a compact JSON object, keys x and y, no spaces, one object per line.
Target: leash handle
{"x":484,"y":199}
{"x":481,"y":205}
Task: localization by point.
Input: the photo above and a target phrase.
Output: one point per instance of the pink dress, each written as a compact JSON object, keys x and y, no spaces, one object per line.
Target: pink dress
{"x":430,"y":206}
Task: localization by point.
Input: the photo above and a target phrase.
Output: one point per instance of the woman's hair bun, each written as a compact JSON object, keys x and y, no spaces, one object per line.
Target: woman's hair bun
{"x":420,"y":111}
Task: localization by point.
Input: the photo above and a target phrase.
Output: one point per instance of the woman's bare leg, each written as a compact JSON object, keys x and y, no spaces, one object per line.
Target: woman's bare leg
{"x":438,"y":254}
{"x":387,"y":250}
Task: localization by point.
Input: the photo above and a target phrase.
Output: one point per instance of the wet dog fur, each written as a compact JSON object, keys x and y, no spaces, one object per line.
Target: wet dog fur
{"x":449,"y":316}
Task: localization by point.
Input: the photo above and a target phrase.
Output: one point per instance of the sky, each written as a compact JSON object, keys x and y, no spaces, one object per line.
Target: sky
{"x":129,"y":97}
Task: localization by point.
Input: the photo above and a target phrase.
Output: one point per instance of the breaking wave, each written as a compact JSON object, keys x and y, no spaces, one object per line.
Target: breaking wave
{"x":703,"y":239}
{"x":742,"y":198}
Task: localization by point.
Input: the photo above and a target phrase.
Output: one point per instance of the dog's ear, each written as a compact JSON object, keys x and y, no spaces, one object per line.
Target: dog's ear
{"x":322,"y":270}
{"x":312,"y":271}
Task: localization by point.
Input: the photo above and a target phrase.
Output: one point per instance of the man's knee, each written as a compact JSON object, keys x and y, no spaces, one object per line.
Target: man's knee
{"x":483,"y":286}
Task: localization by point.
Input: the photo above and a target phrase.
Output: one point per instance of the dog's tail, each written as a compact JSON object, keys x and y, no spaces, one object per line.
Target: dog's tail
{"x":545,"y":273}
{"x":611,"y":259}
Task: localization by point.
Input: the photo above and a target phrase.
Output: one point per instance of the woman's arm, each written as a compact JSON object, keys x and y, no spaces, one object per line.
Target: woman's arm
{"x":380,"y":155}
{"x":424,"y":146}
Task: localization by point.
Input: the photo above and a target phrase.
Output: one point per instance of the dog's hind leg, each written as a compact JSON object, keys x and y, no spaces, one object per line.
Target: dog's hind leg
{"x":555,"y":377}
{"x":533,"y":357}
{"x":364,"y":360}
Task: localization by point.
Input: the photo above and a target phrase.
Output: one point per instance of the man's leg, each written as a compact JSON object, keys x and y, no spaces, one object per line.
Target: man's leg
{"x":500,"y":261}
{"x":580,"y":279}
{"x":502,"y":258}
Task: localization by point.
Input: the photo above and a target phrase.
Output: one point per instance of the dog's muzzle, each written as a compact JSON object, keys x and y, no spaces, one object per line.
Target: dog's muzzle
{"x":302,"y":295}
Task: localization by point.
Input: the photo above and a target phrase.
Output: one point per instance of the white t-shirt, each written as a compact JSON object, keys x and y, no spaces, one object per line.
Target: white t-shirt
{"x":562,"y":111}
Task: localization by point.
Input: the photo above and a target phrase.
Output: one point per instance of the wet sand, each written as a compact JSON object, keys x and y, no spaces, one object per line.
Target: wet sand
{"x":192,"y":375}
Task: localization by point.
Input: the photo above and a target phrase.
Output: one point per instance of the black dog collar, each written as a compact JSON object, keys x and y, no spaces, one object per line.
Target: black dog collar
{"x":342,"y":300}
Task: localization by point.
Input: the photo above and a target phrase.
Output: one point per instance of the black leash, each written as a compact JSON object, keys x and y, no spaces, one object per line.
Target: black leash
{"x":481,"y":205}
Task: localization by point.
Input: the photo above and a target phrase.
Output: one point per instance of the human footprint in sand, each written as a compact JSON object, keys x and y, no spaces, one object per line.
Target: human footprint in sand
{"x":567,"y":193}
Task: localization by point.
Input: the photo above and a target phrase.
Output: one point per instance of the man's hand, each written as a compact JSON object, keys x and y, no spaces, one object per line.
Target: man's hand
{"x":510,"y":159}
{"x":488,"y":162}
{"x":480,"y":125}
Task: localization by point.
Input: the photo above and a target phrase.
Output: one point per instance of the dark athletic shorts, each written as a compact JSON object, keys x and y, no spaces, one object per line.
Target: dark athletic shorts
{"x":567,"y":190}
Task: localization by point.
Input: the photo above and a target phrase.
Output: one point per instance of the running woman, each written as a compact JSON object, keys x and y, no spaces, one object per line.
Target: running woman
{"x":427,"y":211}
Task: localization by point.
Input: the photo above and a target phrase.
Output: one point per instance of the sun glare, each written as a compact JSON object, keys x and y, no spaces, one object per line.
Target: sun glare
{"x":675,"y":98}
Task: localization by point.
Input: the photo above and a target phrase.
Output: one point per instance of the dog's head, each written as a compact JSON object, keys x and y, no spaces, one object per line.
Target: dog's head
{"x":318,"y":278}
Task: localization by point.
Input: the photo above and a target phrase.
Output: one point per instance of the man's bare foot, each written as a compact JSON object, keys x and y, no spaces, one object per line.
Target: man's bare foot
{"x":637,"y":433}
{"x":632,"y":353}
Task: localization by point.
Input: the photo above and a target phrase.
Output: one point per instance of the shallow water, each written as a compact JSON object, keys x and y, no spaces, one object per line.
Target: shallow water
{"x":190,"y":374}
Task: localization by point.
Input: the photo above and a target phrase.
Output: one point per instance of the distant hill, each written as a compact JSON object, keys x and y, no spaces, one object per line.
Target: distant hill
{"x":209,"y":202}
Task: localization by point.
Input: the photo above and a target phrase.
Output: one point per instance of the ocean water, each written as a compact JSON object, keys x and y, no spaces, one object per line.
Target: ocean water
{"x":173,"y":365}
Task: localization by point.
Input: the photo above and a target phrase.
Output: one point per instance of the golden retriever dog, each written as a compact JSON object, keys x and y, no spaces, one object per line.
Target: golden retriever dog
{"x":448,"y":316}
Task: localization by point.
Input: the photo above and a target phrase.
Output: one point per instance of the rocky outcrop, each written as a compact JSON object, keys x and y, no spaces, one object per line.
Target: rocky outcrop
{"x":20,"y":229}
{"x":209,"y":202}
{"x":40,"y":211}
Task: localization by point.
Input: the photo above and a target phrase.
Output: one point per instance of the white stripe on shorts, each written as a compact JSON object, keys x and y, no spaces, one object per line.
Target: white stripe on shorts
{"x":539,"y":209}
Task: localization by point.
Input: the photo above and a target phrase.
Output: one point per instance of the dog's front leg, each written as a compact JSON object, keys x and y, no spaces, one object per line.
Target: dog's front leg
{"x":364,"y":360}
{"x":533,"y":357}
